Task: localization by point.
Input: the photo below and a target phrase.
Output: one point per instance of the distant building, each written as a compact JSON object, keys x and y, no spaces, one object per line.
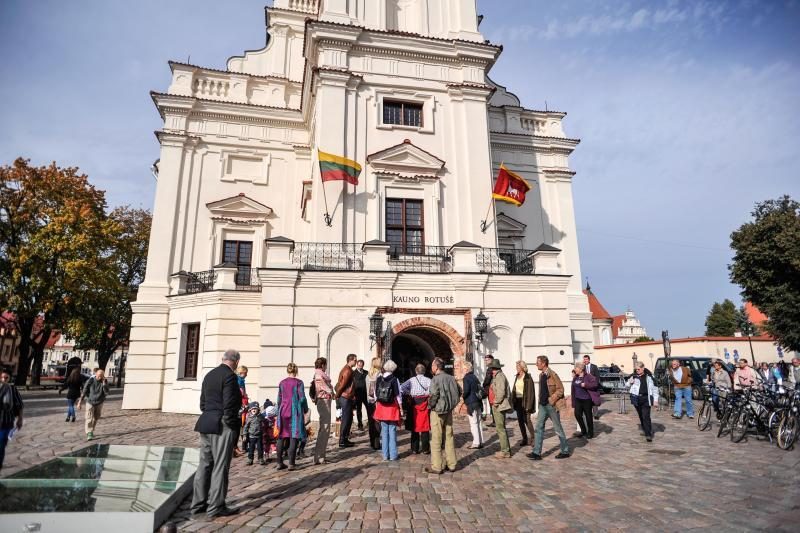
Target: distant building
{"x":9,"y":343}
{"x":607,"y":329}
{"x":62,"y":348}
{"x":601,"y":319}
{"x":627,"y":328}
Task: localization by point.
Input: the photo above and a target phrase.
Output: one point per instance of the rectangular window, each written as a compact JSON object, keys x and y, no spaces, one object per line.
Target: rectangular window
{"x":239,"y":253}
{"x":405,"y":226}
{"x":402,"y":113}
{"x":191,"y":348}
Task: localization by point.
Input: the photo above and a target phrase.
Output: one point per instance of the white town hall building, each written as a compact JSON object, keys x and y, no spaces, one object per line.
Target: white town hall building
{"x":240,"y":253}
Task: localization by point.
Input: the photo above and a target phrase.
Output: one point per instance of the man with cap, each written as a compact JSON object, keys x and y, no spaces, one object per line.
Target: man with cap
{"x":487,"y":381}
{"x":499,"y":394}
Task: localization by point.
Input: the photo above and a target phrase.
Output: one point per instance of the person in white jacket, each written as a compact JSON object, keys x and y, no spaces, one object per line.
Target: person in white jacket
{"x":644,"y":394}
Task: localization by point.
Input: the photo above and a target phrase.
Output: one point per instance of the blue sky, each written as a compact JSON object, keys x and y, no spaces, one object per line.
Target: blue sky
{"x":687,"y":111}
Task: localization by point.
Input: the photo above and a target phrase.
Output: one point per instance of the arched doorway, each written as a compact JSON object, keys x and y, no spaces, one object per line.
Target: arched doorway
{"x":420,"y":345}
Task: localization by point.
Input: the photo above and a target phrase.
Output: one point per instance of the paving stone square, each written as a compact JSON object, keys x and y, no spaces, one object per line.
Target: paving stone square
{"x":684,"y":480}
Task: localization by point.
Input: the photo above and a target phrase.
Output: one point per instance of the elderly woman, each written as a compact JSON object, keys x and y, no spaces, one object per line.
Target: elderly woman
{"x":474,"y":404}
{"x":388,"y":409}
{"x":292,"y":408}
{"x":644,"y":394}
{"x":523,"y":399}
{"x":722,"y":383}
{"x":417,"y":390}
{"x":322,"y":384}
{"x":584,"y":388}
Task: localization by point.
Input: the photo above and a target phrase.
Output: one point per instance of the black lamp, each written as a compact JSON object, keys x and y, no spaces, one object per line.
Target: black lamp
{"x":481,"y":325}
{"x":375,"y":326}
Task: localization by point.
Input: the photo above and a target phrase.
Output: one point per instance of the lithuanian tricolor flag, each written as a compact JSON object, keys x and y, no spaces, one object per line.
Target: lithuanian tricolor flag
{"x":337,"y":168}
{"x":510,"y":187}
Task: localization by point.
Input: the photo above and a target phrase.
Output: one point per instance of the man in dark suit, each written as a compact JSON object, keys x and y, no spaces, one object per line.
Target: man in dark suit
{"x":589,"y":368}
{"x":219,"y":426}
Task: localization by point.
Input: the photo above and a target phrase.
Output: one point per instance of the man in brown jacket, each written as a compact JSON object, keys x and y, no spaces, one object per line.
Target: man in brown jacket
{"x":551,"y":399}
{"x":681,"y":378}
{"x":345,"y":391}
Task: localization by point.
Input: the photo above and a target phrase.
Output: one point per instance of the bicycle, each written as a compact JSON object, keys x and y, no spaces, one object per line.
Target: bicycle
{"x":732,"y":403}
{"x":788,"y":426}
{"x":753,"y":414}
{"x":705,"y":418}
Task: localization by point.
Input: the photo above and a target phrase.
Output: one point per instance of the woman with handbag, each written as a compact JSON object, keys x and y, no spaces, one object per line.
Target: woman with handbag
{"x":523,"y":399}
{"x":323,"y":392}
{"x":644,"y":394}
{"x":473,"y":396}
{"x":291,"y":421}
{"x":584,"y":393}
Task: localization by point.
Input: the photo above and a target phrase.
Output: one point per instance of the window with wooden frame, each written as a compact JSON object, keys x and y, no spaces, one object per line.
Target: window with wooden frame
{"x":402,"y":113}
{"x":240,"y":253}
{"x":191,"y":351}
{"x":405,"y":226}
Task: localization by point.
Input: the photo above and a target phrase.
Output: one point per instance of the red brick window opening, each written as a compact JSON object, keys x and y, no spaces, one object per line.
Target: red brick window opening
{"x":402,"y":113}
{"x":191,"y":351}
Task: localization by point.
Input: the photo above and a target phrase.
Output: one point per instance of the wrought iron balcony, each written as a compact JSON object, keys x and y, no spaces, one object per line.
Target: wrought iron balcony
{"x":340,"y":257}
{"x":420,"y":258}
{"x":505,"y":261}
{"x":200,"y":281}
{"x":247,"y":280}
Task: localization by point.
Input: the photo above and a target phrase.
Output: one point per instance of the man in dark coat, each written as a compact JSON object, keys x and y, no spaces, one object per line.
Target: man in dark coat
{"x":219,"y":426}
{"x":589,"y":368}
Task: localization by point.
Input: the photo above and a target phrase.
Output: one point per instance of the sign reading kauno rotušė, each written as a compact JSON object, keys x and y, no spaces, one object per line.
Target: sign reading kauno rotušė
{"x":423,"y":299}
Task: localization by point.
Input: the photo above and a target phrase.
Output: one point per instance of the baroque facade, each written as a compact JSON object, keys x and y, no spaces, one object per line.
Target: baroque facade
{"x":242,"y":255}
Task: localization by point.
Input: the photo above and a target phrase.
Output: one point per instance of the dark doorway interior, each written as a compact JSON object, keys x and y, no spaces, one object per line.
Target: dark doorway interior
{"x":420,"y":345}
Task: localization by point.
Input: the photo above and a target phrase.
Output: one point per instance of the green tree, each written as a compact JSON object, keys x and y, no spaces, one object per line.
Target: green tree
{"x":104,"y":320}
{"x":52,"y":228}
{"x":744,"y":325}
{"x":766,"y":265}
{"x":722,"y":319}
{"x":643,"y":338}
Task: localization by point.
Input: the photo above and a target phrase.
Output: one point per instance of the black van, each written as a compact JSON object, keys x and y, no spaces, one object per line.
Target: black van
{"x":699,"y":366}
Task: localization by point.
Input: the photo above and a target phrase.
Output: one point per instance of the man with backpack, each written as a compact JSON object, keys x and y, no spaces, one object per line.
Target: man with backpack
{"x":10,"y":411}
{"x":444,"y":397}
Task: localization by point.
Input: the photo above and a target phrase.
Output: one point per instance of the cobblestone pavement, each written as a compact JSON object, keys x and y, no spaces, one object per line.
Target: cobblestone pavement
{"x":685,"y":479}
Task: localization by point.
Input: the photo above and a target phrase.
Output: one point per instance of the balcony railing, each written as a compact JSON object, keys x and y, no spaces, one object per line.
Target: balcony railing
{"x":420,"y":259}
{"x":505,"y":261}
{"x":328,"y":256}
{"x":247,"y":280}
{"x":200,"y":281}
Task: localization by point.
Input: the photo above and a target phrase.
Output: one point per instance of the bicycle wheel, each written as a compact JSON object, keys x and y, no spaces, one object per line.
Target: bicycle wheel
{"x":787,"y":431}
{"x":739,"y":425}
{"x":774,"y":422}
{"x":724,"y":422}
{"x":704,"y":418}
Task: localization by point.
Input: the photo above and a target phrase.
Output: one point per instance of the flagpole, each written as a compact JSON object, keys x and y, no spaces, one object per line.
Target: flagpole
{"x":326,"y":217}
{"x":484,"y":224}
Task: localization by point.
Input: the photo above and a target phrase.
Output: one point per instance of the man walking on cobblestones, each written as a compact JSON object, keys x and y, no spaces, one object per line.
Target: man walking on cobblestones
{"x":95,"y":391}
{"x":681,"y":378}
{"x":499,"y":400}
{"x":444,"y":397}
{"x":345,"y":391}
{"x":219,"y":426}
{"x":551,"y":400}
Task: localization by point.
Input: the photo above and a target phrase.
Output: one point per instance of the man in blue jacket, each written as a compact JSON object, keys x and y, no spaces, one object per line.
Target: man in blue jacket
{"x":219,"y":426}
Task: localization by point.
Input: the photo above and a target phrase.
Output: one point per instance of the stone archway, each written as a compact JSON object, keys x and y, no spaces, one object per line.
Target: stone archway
{"x":433,"y":337}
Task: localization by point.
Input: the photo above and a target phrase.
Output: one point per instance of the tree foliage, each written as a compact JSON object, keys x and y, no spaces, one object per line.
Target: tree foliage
{"x":766,"y":264}
{"x":722,"y":319}
{"x":643,"y":338}
{"x":104,"y":319}
{"x":52,"y":225}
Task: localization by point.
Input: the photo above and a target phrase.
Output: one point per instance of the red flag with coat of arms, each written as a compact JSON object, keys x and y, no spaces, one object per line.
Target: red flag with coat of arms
{"x":510,"y":187}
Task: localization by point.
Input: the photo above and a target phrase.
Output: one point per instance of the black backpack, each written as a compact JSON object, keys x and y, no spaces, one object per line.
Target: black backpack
{"x":383,"y":390}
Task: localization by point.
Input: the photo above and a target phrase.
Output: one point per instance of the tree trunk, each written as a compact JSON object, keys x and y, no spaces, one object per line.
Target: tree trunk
{"x":24,"y":358}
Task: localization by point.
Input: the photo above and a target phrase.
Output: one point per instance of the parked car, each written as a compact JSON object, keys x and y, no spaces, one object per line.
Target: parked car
{"x":699,"y":367}
{"x":610,"y":381}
